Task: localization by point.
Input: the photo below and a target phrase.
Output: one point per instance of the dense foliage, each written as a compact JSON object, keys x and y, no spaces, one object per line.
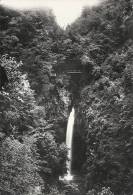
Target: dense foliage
{"x":26,"y":146}
{"x":35,"y":103}
{"x":104,"y":35}
{"x":36,"y":113}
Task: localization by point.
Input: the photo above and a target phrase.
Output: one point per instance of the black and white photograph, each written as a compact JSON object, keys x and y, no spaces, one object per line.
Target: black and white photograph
{"x":66,"y":97}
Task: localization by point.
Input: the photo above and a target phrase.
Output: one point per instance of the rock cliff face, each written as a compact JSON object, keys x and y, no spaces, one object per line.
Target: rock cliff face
{"x":70,"y":92}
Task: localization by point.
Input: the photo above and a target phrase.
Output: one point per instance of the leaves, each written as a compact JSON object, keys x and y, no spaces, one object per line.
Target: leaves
{"x":106,"y":96}
{"x":18,"y":166}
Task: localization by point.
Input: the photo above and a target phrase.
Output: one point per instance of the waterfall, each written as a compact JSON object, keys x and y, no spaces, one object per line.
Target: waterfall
{"x":69,"y":137}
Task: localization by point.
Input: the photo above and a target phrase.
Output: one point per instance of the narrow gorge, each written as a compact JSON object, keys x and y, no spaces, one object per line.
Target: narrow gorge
{"x":66,"y":95}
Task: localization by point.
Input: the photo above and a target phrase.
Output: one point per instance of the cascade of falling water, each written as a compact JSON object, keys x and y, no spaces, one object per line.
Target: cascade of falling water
{"x":69,"y":136}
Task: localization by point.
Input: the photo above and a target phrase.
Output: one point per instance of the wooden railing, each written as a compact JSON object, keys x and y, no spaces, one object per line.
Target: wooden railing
{"x":73,"y":72}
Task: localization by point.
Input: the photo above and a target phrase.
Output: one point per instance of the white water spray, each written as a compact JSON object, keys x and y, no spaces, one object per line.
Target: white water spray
{"x":69,"y":137}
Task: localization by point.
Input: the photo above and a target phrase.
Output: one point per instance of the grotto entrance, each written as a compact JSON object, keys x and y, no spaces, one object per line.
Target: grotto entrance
{"x":74,"y":73}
